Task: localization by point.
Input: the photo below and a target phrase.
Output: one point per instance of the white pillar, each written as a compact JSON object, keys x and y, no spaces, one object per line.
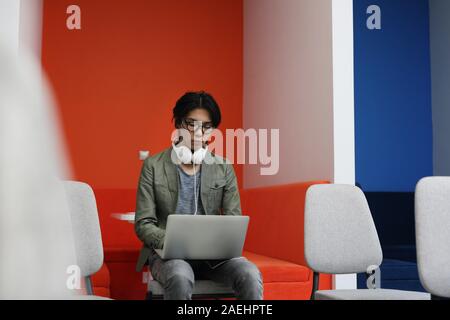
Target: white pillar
{"x":343,"y":107}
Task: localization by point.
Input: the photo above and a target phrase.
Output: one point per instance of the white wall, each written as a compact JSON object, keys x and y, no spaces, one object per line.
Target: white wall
{"x":288,"y":85}
{"x":440,"y":79}
{"x":298,"y":77}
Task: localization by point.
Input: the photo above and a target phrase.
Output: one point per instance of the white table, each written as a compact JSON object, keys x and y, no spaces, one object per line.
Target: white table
{"x":127,"y":216}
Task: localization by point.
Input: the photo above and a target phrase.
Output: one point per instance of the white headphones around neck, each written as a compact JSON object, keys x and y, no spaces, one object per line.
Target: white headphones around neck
{"x":186,"y":156}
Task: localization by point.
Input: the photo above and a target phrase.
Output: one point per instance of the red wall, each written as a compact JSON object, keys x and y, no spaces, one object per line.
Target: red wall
{"x":117,"y":79}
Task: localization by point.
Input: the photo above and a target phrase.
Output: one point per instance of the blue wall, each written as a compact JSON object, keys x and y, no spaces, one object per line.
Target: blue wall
{"x":393,"y":126}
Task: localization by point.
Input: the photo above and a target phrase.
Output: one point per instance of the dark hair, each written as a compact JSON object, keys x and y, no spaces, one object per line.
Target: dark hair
{"x":195,"y":100}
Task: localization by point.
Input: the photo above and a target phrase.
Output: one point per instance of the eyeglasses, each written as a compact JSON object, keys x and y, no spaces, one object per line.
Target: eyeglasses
{"x":192,"y":125}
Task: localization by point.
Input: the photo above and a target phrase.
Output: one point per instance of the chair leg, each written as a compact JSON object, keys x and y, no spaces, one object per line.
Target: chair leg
{"x":315,"y":285}
{"x":89,"y":287}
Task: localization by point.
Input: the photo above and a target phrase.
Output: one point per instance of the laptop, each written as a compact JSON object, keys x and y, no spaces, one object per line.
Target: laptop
{"x":204,"y":237}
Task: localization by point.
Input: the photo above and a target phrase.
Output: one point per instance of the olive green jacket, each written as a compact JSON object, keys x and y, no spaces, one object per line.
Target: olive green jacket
{"x":157,"y":196}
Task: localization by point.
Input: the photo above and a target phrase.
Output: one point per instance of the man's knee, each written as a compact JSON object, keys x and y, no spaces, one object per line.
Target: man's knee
{"x":248,"y":282}
{"x":180,"y":281}
{"x":248,"y":273}
{"x":178,"y":287}
{"x":179,"y":273}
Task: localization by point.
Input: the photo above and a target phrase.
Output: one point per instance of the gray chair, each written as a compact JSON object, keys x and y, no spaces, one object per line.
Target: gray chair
{"x":432,"y":213}
{"x":340,"y":238}
{"x":86,"y":232}
{"x":203,"y":289}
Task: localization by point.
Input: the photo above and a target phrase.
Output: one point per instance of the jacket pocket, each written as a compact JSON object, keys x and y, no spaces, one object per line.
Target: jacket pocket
{"x":215,"y":195}
{"x":219,"y":184}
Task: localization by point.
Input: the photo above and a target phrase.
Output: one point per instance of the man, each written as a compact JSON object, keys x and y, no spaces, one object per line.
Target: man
{"x":167,"y":186}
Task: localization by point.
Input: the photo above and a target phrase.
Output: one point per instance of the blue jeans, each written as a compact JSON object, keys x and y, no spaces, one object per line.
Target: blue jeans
{"x":178,"y":276}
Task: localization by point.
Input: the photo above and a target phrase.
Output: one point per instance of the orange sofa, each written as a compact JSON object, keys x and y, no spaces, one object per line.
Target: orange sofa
{"x":274,"y":241}
{"x":101,"y":282}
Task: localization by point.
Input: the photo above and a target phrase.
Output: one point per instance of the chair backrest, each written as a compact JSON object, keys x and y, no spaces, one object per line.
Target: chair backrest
{"x":86,"y":226}
{"x":432,"y":213}
{"x":340,"y":235}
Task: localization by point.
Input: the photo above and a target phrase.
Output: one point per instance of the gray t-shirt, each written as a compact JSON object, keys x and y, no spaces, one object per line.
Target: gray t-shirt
{"x":186,"y":202}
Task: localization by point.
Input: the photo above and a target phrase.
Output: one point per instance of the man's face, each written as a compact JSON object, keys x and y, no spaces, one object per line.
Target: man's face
{"x":193,"y":122}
